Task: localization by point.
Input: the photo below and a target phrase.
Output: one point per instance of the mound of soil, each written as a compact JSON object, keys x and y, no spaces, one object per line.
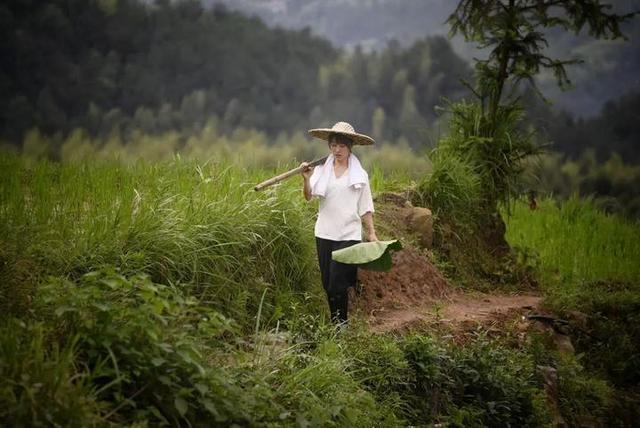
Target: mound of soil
{"x":414,"y":293}
{"x":412,"y":280}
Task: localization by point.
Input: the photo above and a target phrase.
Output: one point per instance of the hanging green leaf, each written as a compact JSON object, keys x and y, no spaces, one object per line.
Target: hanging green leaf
{"x":369,"y":255}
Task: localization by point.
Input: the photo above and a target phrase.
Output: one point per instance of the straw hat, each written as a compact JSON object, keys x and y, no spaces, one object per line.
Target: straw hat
{"x":345,"y":129}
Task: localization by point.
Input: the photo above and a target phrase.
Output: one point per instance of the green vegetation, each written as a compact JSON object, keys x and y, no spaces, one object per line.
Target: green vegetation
{"x":576,"y":243}
{"x":614,"y":130}
{"x":477,"y":168}
{"x":588,"y":262}
{"x":126,"y":66}
{"x":201,"y":228}
{"x":514,"y":33}
{"x":136,"y":352}
{"x":171,"y":293}
{"x":242,"y":148}
{"x":613,"y":185}
{"x":147,"y":293}
{"x":144,"y":282}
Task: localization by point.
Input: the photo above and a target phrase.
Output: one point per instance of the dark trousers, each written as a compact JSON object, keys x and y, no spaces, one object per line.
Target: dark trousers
{"x":336,"y":277}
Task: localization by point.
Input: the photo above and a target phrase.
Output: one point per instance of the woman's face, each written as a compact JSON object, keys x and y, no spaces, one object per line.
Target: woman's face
{"x":340,"y":151}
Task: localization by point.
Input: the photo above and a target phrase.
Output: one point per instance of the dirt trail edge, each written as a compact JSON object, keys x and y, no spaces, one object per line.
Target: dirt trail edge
{"x":414,"y":292}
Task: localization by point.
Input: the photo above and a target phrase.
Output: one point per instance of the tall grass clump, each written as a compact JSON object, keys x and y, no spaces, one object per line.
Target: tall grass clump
{"x":589,"y":265}
{"x":153,"y":294}
{"x":36,"y":373}
{"x":576,"y":242}
{"x":196,"y":226}
{"x":477,"y":168}
{"x":320,"y":380}
{"x":431,"y":381}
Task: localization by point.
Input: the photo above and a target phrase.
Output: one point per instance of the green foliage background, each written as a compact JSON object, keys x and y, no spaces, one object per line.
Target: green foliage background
{"x":143,"y":282}
{"x":175,"y":65}
{"x":172,"y":294}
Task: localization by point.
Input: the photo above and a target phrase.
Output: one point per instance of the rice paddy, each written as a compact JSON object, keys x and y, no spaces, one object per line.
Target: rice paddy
{"x":576,"y":242}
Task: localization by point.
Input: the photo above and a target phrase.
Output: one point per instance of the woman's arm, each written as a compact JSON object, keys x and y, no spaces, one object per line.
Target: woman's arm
{"x":306,"y":186}
{"x":367,"y":219}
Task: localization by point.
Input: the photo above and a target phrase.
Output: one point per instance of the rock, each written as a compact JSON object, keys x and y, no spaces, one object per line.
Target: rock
{"x":578,"y":318}
{"x":540,"y":327}
{"x":398,"y":199}
{"x":550,"y":377}
{"x":563,"y":343}
{"x":421,"y":221}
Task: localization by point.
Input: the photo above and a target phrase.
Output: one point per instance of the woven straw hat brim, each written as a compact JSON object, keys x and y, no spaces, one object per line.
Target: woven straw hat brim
{"x":360,"y":139}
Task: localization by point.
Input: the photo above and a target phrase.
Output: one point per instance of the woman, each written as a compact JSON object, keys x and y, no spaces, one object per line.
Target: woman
{"x":345,"y":203}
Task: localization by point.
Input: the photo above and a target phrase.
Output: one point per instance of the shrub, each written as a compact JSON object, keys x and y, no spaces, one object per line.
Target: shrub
{"x":143,"y":343}
{"x":42,"y":383}
{"x":477,"y":168}
{"x":379,"y":364}
{"x":494,"y":155}
{"x":584,"y":399}
{"x":610,"y":340}
{"x":481,"y":384}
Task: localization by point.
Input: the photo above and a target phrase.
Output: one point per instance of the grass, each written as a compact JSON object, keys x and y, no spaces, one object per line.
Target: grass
{"x":576,"y":242}
{"x":589,"y":263}
{"x":149,"y":287}
{"x":172,"y":293}
{"x":201,"y":227}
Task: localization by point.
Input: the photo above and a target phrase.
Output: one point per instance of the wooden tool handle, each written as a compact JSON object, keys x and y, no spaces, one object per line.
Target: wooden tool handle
{"x":285,"y":175}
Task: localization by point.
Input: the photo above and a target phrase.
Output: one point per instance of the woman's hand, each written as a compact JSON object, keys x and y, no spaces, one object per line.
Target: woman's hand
{"x":307,"y":171}
{"x":306,"y":174}
{"x":367,"y":218}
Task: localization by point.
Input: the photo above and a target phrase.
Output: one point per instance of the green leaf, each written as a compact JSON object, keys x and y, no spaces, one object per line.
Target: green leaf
{"x":165,"y":380}
{"x":302,"y":421}
{"x":202,"y":388}
{"x":101,"y":306}
{"x":210,"y":407}
{"x":284,"y":415}
{"x":165,"y":347}
{"x":158,"y":415}
{"x":64,"y":309}
{"x":112,"y":283}
{"x":181,"y":405}
{"x":157,"y":361}
{"x":369,"y":255}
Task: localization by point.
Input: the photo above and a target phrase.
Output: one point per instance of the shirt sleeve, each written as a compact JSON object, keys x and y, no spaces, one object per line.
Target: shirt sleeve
{"x":365,"y":202}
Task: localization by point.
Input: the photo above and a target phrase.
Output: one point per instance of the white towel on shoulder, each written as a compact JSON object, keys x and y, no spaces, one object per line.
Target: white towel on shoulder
{"x":358,"y":177}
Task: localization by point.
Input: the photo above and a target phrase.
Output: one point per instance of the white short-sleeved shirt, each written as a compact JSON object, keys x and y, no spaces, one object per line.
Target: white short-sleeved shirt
{"x":341,"y":209}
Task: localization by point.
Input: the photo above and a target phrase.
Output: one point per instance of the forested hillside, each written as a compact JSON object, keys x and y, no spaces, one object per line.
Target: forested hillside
{"x":128,"y":70}
{"x":116,"y":65}
{"x":615,"y":129}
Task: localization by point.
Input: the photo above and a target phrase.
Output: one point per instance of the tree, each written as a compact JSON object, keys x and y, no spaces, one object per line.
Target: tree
{"x":513,"y":31}
{"x":488,"y":136}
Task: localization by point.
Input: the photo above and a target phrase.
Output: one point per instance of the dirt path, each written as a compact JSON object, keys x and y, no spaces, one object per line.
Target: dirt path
{"x":415,"y":292}
{"x":459,"y":308}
